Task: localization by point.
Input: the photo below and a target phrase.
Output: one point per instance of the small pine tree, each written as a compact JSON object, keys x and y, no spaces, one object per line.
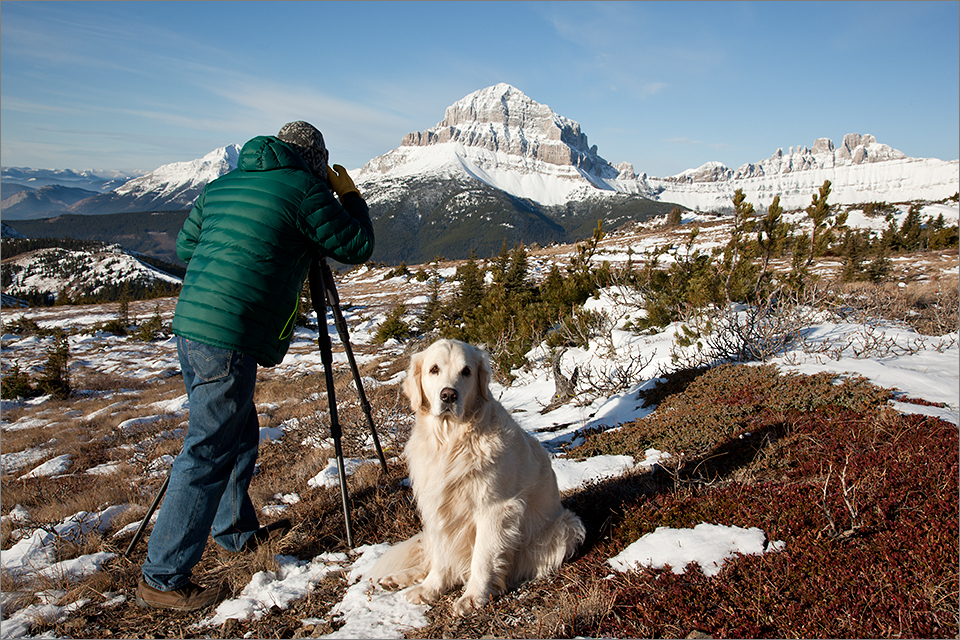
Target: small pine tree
{"x":515,"y":278}
{"x":771,"y":234}
{"x":123,"y":310}
{"x":912,"y":230}
{"x":55,"y":379}
{"x":393,"y":326}
{"x":15,"y":384}
{"x":152,"y":327}
{"x":854,"y":252}
{"x":434,"y":309}
{"x":470,"y":294}
{"x":890,"y":238}
{"x":879,"y":268}
{"x":737,"y":264}
{"x":674,"y":218}
{"x":819,"y":212}
{"x":799,"y":273}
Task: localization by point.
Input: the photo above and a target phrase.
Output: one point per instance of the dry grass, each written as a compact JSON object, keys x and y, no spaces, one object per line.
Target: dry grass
{"x":930,"y":307}
{"x":583,"y":598}
{"x":905,"y":469}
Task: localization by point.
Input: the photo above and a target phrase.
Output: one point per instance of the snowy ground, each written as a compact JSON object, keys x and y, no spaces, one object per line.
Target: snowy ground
{"x":924,"y":368}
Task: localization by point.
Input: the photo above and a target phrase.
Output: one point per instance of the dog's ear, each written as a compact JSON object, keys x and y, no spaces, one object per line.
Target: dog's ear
{"x":483,"y":373}
{"x":411,"y":384}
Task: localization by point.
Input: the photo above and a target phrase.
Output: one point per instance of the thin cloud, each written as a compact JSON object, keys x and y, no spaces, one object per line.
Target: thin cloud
{"x":27,"y":106}
{"x":652,"y":88}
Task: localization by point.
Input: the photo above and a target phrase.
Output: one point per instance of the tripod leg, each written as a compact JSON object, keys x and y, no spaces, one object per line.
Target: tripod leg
{"x":341,"y":324}
{"x":326,"y":356}
{"x":146,"y":518}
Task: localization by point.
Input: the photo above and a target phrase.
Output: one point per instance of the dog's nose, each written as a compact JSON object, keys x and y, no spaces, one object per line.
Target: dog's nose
{"x":448,"y":395}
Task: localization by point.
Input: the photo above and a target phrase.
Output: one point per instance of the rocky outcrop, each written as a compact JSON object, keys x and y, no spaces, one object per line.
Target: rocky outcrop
{"x":856,"y":149}
{"x":502,"y":119}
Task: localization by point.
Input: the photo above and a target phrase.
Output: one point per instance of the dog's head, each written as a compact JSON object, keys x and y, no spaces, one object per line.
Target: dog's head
{"x":449,"y":379}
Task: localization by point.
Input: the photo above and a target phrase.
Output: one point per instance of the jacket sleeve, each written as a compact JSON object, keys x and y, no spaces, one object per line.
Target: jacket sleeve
{"x":189,"y":235}
{"x":343,"y":231}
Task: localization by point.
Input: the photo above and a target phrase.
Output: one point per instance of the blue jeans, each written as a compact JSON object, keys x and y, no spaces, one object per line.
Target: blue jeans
{"x":208,"y":486}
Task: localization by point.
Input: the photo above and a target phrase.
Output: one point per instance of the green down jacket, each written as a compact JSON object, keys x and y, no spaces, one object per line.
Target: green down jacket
{"x":248,"y":244}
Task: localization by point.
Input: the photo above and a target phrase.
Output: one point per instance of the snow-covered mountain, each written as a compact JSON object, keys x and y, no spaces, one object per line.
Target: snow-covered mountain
{"x":498,"y":168}
{"x":501,"y":167}
{"x":169,"y":187}
{"x":503,"y":138}
{"x":861,"y":170}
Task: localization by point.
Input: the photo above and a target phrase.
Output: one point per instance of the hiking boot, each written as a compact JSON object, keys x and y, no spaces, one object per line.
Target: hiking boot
{"x":189,"y":597}
{"x":269,"y":533}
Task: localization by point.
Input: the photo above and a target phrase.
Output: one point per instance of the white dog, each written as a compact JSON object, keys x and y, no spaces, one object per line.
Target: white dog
{"x":485,"y":489}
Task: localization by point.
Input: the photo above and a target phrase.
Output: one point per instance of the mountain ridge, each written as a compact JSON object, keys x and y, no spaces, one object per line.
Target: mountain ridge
{"x":531,"y":175}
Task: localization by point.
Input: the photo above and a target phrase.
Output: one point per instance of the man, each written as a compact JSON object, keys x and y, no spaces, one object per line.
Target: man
{"x":249,"y":242}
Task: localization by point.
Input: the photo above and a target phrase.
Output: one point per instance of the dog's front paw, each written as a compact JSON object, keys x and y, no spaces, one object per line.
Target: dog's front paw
{"x":422,"y":595}
{"x":468,"y":603}
{"x":392,"y":582}
{"x":402,"y":579}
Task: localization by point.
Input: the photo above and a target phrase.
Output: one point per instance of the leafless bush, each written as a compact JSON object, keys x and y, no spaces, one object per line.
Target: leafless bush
{"x":615,"y":368}
{"x":742,"y":332}
{"x":848,"y":493}
{"x":780,"y":325}
{"x":611,"y":376}
{"x":580,"y":327}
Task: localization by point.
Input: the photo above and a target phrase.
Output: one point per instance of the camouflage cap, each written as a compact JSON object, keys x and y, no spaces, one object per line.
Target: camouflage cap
{"x":308,"y":142}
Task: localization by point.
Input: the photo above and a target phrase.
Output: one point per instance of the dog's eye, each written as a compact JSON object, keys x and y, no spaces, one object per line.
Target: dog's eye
{"x":466,"y":372}
{"x":434,"y":369}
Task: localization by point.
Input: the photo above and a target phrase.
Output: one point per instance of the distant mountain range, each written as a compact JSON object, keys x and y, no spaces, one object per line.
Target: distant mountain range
{"x":28,"y":203}
{"x":16,"y":179}
{"x":170,"y":187}
{"x":502,"y":167}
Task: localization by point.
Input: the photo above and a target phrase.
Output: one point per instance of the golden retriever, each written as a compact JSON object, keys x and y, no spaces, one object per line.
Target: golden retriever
{"x":484,"y":487}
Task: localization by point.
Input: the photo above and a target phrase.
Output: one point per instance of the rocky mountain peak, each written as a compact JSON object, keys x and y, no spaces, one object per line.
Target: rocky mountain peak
{"x":502,"y":119}
{"x":179,"y":176}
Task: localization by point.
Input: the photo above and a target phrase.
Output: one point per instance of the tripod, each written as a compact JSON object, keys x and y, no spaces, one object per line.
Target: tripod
{"x":323,"y":292}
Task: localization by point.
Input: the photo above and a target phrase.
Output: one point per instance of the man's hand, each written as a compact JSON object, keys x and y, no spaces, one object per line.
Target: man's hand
{"x":341,"y":183}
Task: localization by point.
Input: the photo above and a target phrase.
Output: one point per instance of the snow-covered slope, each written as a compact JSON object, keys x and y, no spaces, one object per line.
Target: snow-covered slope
{"x":56,"y":271}
{"x":7,"y":231}
{"x":177,"y":177}
{"x":172,"y":186}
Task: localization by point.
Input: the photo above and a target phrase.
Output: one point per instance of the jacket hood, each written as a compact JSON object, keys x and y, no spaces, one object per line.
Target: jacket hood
{"x":265,"y":153}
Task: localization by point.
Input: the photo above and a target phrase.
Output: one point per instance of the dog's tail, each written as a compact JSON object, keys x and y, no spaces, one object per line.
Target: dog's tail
{"x":402,"y":556}
{"x":543,"y":555}
{"x":558,"y":543}
{"x":573,"y":532}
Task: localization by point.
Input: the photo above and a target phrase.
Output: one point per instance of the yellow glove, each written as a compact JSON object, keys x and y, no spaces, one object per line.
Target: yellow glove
{"x":340,"y":182}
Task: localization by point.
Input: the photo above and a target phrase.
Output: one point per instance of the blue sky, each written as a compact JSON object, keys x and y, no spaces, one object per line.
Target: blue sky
{"x":666,"y":86}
